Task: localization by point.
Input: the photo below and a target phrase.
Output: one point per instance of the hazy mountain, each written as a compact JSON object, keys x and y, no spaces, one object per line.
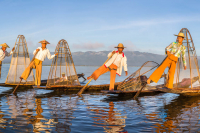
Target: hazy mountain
{"x":90,"y":58}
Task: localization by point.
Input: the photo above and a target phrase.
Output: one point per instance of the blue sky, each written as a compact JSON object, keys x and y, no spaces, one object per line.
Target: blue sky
{"x":95,"y":25}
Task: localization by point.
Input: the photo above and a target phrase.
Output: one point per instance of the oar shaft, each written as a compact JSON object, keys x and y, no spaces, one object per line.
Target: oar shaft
{"x":83,"y":89}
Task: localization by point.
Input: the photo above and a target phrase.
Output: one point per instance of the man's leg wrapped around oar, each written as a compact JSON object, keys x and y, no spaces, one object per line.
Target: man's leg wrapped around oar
{"x":103,"y":69}
{"x":36,"y":64}
{"x":170,"y":61}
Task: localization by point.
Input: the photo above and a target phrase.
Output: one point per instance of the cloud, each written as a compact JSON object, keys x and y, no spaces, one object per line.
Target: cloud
{"x":89,"y":46}
{"x":128,"y":44}
{"x":148,"y":22}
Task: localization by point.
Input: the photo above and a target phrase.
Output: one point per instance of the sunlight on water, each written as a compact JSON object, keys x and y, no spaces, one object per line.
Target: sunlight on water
{"x":40,"y":110}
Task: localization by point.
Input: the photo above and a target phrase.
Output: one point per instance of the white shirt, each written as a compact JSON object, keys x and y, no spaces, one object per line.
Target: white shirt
{"x":42,"y":54}
{"x":4,"y":54}
{"x":122,"y":63}
{"x":118,"y":60}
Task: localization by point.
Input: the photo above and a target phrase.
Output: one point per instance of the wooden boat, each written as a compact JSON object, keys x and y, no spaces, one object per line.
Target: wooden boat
{"x":195,"y":91}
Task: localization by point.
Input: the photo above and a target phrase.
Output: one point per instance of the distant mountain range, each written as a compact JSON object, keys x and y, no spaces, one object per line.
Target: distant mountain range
{"x":91,"y":58}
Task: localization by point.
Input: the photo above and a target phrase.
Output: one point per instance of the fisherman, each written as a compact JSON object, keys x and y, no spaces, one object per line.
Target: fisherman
{"x":4,"y":53}
{"x":114,"y":65}
{"x":173,"y":51}
{"x":41,"y":54}
{"x":63,"y":78}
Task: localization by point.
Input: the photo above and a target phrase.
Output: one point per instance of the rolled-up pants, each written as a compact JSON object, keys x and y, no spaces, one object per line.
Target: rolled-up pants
{"x":170,"y":61}
{"x":36,"y":64}
{"x":103,"y":69}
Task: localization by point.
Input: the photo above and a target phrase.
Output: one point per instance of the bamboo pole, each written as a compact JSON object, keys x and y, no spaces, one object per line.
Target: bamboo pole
{"x":189,"y":58}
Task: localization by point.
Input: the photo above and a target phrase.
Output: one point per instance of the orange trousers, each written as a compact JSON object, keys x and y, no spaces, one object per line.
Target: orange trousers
{"x":36,"y":64}
{"x":101,"y":70}
{"x":170,"y":61}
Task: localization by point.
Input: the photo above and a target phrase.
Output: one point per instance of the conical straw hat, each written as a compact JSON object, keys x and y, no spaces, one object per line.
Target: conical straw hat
{"x":180,"y":34}
{"x":44,"y":41}
{"x":4,"y":45}
{"x":120,"y":45}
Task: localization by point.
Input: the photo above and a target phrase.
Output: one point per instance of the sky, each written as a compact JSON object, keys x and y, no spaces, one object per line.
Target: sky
{"x":96,"y":25}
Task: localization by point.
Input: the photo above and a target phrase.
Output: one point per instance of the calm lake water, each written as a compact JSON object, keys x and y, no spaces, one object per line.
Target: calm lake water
{"x":39,"y":110}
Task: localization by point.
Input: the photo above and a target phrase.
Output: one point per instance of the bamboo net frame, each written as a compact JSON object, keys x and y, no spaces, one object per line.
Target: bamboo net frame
{"x":63,"y":63}
{"x":192,"y":71}
{"x":20,"y":60}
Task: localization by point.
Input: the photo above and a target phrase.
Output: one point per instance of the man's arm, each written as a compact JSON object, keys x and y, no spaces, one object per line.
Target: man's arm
{"x":167,"y":49}
{"x":125,"y":66}
{"x":49,"y":56}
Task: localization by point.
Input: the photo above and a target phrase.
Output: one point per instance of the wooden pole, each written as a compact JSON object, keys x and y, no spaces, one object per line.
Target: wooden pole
{"x":137,"y":94}
{"x":83,"y":89}
{"x":21,"y":79}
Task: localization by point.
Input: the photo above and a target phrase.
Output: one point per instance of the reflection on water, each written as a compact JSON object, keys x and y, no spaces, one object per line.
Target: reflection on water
{"x":38,"y":110}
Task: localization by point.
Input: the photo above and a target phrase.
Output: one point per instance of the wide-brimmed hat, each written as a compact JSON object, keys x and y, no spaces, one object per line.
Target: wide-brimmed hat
{"x":4,"y":45}
{"x":180,"y":34}
{"x":120,"y":45}
{"x":44,"y":41}
{"x":63,"y":73}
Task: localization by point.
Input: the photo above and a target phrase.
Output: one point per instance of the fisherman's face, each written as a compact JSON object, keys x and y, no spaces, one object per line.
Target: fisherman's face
{"x":120,"y":50}
{"x":3,"y":48}
{"x":63,"y":75}
{"x":180,"y":39}
{"x":44,"y":45}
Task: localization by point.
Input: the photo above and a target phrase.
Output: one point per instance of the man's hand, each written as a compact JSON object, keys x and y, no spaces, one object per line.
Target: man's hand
{"x":113,"y":52}
{"x":126,"y":73}
{"x":56,"y":54}
{"x":185,"y":67}
{"x":13,"y":48}
{"x":37,"y":50}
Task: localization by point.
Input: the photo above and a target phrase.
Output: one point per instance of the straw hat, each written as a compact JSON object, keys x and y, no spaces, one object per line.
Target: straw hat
{"x":181,"y":34}
{"x":44,"y":41}
{"x":120,"y":45}
{"x":4,"y":45}
{"x":63,"y":73}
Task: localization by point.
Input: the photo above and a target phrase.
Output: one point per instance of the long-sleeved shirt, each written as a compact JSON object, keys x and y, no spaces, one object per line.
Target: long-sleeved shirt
{"x":42,"y":54}
{"x":176,"y":49}
{"x":3,"y":54}
{"x":123,"y":62}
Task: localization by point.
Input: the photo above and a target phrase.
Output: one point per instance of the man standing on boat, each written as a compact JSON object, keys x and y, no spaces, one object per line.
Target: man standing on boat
{"x":4,"y":53}
{"x":174,"y":51}
{"x":40,"y":54}
{"x":114,"y":65}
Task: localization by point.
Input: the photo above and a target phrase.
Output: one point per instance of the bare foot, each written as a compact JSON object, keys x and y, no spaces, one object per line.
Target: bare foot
{"x":38,"y":85}
{"x":21,"y":78}
{"x":89,"y":77}
{"x":148,"y":81}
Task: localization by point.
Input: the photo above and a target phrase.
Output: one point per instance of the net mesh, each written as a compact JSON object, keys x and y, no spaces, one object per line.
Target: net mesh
{"x":136,"y":80}
{"x":20,"y":60}
{"x":62,"y":71}
{"x":188,"y":78}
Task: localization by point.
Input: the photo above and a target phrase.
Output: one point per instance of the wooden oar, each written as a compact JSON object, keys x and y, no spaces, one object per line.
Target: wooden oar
{"x":83,"y":89}
{"x":21,"y":79}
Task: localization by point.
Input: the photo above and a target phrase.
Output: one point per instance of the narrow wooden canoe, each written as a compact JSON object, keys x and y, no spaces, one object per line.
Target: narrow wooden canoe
{"x":184,"y":91}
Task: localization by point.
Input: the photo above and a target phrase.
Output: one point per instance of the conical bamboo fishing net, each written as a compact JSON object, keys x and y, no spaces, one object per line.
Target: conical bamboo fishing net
{"x":136,"y":80}
{"x":62,"y":71}
{"x":188,"y":78}
{"x":20,"y":60}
